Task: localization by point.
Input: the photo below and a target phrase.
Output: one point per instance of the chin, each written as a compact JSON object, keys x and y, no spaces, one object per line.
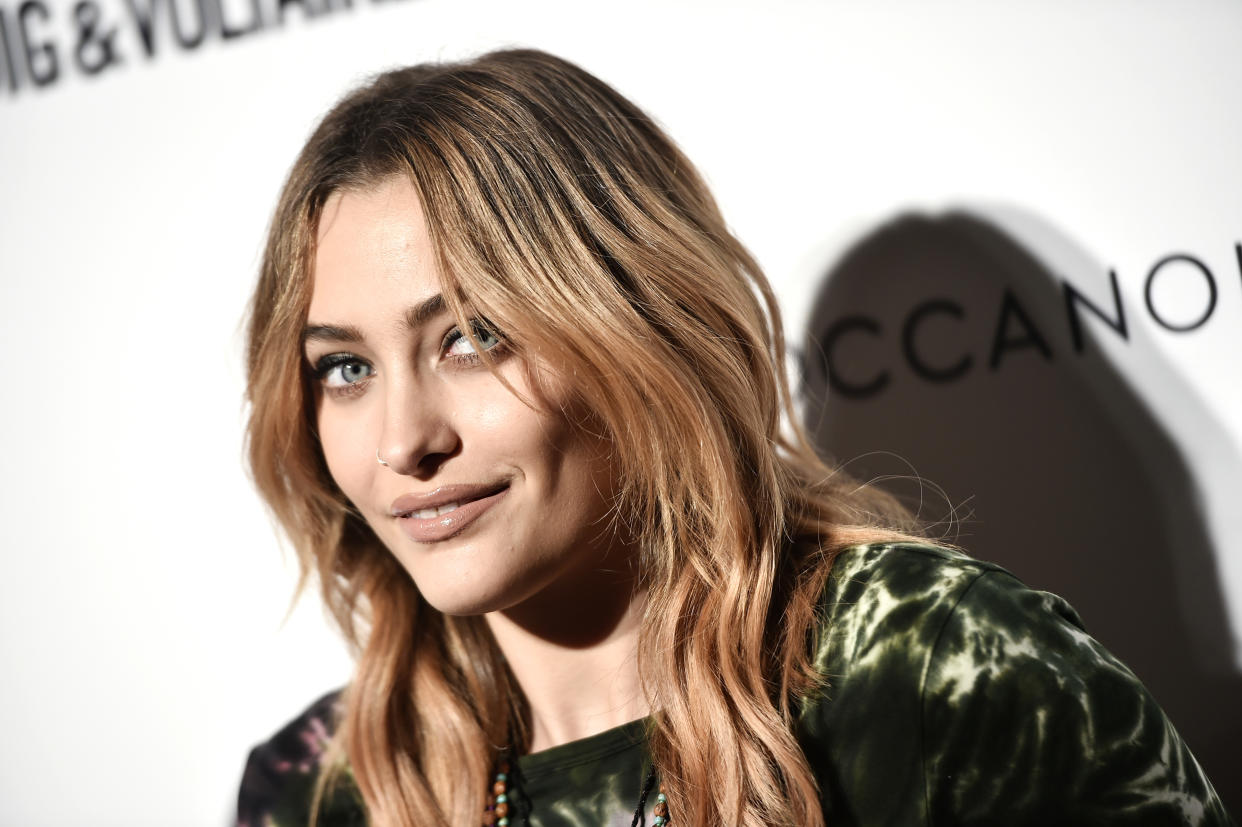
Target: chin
{"x":465,"y":595}
{"x":462,"y":605}
{"x":472,"y":578}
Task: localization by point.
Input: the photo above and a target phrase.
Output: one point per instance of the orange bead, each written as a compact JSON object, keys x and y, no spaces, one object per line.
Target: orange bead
{"x":499,"y":788}
{"x":502,"y":809}
{"x":661,"y":809}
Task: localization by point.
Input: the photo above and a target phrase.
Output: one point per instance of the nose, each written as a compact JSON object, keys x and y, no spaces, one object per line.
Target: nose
{"x":417,"y":434}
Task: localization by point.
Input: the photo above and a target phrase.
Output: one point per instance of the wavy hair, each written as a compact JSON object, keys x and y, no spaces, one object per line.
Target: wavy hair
{"x":562,"y":214}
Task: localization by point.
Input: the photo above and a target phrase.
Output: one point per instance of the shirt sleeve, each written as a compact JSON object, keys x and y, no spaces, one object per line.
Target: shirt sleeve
{"x":1028,"y":720}
{"x":278,"y":783}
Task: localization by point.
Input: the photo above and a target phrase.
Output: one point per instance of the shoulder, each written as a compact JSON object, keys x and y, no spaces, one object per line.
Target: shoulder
{"x":278,"y":783}
{"x":891,"y":600}
{"x":955,"y":694}
{"x":882,"y":612}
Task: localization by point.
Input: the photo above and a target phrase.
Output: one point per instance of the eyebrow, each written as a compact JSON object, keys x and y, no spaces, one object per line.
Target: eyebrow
{"x":330,"y":333}
{"x":414,"y":317}
{"x":424,"y":310}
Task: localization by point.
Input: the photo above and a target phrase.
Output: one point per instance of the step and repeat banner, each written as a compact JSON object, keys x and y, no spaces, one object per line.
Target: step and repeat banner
{"x":1007,"y":243}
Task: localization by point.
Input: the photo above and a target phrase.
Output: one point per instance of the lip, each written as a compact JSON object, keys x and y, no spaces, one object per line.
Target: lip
{"x":472,"y":502}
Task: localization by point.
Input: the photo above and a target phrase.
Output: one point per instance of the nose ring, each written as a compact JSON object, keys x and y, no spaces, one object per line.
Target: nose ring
{"x":378,"y":459}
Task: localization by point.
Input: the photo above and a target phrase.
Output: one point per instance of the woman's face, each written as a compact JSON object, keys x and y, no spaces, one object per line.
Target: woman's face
{"x":484,"y":500}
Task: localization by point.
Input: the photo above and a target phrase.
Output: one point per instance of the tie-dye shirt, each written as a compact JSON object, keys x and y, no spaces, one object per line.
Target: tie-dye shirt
{"x":954,"y":695}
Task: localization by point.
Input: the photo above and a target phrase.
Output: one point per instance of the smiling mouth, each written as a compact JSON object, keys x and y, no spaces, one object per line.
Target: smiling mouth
{"x":428,"y":513}
{"x":443,"y":500}
{"x":446,"y":511}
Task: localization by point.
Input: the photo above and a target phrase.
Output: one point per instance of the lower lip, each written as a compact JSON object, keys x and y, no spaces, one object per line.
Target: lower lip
{"x":435,"y":529}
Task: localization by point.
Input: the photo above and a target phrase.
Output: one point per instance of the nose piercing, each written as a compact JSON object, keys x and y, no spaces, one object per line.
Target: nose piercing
{"x":377,"y":458}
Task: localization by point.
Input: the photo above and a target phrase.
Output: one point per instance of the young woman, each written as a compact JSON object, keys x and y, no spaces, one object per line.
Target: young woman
{"x":517,"y":398}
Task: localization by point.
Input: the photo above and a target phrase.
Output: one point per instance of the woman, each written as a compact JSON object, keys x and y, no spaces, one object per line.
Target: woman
{"x":517,"y":398}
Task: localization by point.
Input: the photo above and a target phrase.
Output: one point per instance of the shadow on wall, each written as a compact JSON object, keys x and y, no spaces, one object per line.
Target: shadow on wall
{"x":940,"y":348}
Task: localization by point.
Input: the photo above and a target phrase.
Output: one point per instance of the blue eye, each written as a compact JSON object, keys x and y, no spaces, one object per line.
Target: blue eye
{"x":458,"y":344}
{"x":340,"y":370}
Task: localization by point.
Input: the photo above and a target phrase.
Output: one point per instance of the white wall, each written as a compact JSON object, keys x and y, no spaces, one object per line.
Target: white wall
{"x":144,"y":590}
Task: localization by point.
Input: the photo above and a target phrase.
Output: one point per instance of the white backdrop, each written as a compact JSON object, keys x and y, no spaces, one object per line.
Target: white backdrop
{"x":144,"y":595}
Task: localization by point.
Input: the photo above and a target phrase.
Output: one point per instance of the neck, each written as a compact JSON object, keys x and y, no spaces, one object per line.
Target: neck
{"x":572,"y":649}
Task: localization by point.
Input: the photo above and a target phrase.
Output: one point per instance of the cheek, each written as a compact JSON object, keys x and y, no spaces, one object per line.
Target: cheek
{"x":345,"y":456}
{"x":594,"y":472}
{"x":577,"y":464}
{"x":492,"y":423}
{"x":487,"y":410}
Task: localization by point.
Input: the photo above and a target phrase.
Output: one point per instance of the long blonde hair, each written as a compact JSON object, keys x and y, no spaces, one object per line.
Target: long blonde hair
{"x":563,"y":215}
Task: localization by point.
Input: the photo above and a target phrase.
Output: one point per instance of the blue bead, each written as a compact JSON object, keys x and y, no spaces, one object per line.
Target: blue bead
{"x":502,"y":798}
{"x":504,"y":822}
{"x":659,"y":821}
{"x":500,"y":776}
{"x":661,"y":798}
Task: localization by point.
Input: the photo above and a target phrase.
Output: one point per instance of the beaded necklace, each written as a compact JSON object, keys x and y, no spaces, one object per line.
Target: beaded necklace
{"x":496,"y":811}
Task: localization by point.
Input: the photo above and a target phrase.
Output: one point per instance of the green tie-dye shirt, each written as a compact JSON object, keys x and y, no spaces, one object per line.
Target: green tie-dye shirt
{"x":954,"y":696}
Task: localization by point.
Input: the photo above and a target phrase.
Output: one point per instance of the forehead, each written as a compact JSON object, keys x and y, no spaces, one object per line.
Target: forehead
{"x":372,"y":249}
